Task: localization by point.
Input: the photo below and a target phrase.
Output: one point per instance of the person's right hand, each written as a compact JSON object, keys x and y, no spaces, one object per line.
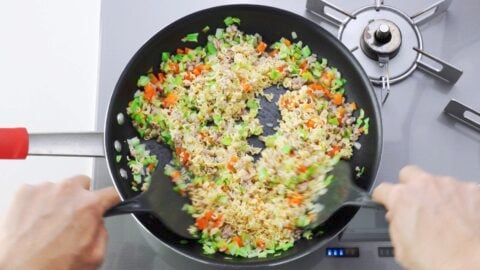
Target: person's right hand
{"x":55,"y":226}
{"x":434,"y":220}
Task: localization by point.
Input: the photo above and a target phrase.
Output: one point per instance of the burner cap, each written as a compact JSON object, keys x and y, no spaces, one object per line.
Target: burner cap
{"x":381,"y":38}
{"x":382,"y":32}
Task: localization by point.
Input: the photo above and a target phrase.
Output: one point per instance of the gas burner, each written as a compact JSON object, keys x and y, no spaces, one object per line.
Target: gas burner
{"x":387,"y":42}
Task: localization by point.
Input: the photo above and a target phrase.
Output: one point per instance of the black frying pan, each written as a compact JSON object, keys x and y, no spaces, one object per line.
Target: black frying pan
{"x":272,"y":24}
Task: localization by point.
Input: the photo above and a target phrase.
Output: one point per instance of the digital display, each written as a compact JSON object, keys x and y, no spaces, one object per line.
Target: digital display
{"x":342,"y":252}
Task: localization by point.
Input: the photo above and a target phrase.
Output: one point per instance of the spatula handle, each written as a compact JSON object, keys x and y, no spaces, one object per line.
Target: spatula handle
{"x":130,"y":206}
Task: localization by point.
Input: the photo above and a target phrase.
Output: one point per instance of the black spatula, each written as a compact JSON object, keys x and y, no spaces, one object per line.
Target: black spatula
{"x":161,"y":201}
{"x":341,"y":192}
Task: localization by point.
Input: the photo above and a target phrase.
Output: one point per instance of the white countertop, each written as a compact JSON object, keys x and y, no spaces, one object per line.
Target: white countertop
{"x":48,"y":74}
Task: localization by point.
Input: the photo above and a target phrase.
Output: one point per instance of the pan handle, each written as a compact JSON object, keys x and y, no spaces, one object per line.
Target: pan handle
{"x":17,"y":143}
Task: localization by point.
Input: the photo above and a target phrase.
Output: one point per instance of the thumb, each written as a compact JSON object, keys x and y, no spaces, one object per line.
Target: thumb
{"x":382,"y":193}
{"x":108,"y":197}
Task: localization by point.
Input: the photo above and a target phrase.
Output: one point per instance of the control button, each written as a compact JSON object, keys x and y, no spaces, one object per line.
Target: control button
{"x":342,"y":252}
{"x":385,"y":252}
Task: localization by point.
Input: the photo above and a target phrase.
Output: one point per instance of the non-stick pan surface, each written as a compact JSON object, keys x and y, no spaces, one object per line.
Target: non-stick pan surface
{"x":272,"y":24}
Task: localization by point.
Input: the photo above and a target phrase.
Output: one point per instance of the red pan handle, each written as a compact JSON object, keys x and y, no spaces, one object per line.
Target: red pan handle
{"x":13,"y":143}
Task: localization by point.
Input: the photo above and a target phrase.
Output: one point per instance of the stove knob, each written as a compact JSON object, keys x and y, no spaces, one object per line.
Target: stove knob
{"x":383,"y":34}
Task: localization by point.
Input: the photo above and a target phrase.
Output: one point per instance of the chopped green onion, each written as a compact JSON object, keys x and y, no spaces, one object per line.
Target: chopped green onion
{"x":226,"y":140}
{"x":211,"y":48}
{"x":165,"y":56}
{"x":192,"y":37}
{"x":294,"y":35}
{"x":118,"y":158}
{"x":219,"y":33}
{"x":328,"y":180}
{"x":286,"y":149}
{"x":143,"y":80}
{"x":231,"y":20}
{"x":366,"y":125}
{"x":206,"y":29}
{"x":306,"y":52}
{"x":333,"y":121}
{"x":183,"y":241}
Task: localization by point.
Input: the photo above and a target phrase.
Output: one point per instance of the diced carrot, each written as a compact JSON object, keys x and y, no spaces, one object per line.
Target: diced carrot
{"x":151,"y":167}
{"x":238,"y":240}
{"x":196,"y":71}
{"x":153,"y":78}
{"x":287,"y":42}
{"x":180,"y":51}
{"x":310,"y":93}
{"x":289,"y":226}
{"x":224,"y":188}
{"x":310,"y":123}
{"x":260,"y":244}
{"x":281,"y":68}
{"x":234,"y":159}
{"x":170,"y":100}
{"x":334,"y":151}
{"x":302,"y":168}
{"x":307,"y":106}
{"x":337,"y":99}
{"x":173,"y":67}
{"x":353,"y":105}
{"x":187,"y":50}
{"x":273,"y":53}
{"x":295,"y":199}
{"x":161,"y":77}
{"x":230,"y":167}
{"x":188,"y":76}
{"x":175,"y":175}
{"x":261,"y":47}
{"x":178,"y":150}
{"x":208,"y":215}
{"x":340,"y":114}
{"x":202,"y":223}
{"x":218,"y":221}
{"x":203,"y":67}
{"x":361,"y":129}
{"x":149,"y":91}
{"x":303,"y":66}
{"x":186,"y":157}
{"x":246,"y":87}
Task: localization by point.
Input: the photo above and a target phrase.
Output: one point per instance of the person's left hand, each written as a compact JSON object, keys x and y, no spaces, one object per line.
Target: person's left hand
{"x":56,"y":226}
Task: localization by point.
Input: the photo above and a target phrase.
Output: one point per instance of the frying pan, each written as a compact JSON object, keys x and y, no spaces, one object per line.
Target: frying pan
{"x":272,"y":24}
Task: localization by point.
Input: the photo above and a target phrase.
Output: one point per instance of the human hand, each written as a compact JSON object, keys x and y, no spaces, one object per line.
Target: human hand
{"x":56,"y":226}
{"x":434,"y":220}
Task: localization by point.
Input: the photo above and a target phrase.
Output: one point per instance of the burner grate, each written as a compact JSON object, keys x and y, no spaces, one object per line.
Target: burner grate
{"x":387,"y":42}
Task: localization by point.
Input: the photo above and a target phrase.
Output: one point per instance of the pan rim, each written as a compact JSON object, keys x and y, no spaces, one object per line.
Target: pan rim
{"x":308,"y":23}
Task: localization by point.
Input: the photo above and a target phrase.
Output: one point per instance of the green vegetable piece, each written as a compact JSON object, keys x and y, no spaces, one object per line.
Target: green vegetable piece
{"x":231,"y":20}
{"x":208,"y":250}
{"x":143,"y":80}
{"x":252,"y":104}
{"x":274,"y":74}
{"x":219,"y":33}
{"x":206,"y":29}
{"x":211,"y":48}
{"x":217,"y":119}
{"x":192,"y":37}
{"x":165,"y":56}
{"x":294,"y":35}
{"x":303,"y":133}
{"x":306,"y":52}
{"x":183,"y":242}
{"x":333,"y":121}
{"x":118,"y":158}
{"x":286,"y":149}
{"x":366,"y":125}
{"x":328,"y":180}
{"x":227,"y":140}
{"x":302,"y":221}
